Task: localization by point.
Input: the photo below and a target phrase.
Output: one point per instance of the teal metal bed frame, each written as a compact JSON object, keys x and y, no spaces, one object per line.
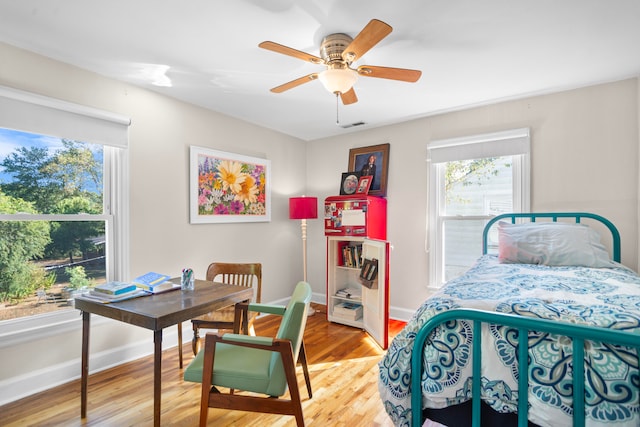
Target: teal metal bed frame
{"x":577,"y":333}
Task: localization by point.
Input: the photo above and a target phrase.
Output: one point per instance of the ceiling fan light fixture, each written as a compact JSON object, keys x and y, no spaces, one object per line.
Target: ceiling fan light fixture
{"x":338,"y":80}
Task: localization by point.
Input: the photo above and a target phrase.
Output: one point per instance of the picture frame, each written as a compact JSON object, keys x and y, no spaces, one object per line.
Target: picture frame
{"x":374,"y":161}
{"x":227,"y":187}
{"x":363,"y":184}
{"x":349,"y":183}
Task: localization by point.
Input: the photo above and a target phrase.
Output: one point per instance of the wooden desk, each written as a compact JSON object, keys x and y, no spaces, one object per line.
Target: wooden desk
{"x":156,"y":312}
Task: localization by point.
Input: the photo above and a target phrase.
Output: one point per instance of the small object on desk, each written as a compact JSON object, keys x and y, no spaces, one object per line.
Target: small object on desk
{"x":164,"y":287}
{"x":115,"y":288}
{"x":158,"y":287}
{"x":107,"y":298}
{"x":149,"y":280}
{"x":188,"y":280}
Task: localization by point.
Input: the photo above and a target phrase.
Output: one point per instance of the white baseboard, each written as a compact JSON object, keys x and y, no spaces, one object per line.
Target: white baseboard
{"x":18,"y":387}
{"x":401,"y":314}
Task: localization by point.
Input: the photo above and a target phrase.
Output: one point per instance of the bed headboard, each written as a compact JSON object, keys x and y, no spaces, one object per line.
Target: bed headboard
{"x":553,"y":216}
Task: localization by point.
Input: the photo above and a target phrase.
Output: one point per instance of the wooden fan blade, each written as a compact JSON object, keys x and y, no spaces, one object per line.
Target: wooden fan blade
{"x":349,"y":97}
{"x":285,"y":50}
{"x":401,"y":74}
{"x":295,"y":83}
{"x":370,"y":36}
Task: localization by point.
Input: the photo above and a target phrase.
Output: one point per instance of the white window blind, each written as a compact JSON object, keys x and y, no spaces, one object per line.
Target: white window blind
{"x":34,"y":113}
{"x":497,"y":144}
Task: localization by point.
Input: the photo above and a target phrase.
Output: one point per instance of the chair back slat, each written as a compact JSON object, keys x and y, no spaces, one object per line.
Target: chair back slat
{"x":239,"y":274}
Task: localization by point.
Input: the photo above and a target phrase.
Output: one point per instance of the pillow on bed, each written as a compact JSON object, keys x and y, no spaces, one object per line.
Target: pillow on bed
{"x":551,"y":243}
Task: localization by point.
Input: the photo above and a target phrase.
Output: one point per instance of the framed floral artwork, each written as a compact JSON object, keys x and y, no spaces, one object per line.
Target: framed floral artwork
{"x":228,"y":187}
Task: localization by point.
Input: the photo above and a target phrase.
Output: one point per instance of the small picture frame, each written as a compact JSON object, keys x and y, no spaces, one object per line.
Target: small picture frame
{"x":349,"y":183}
{"x":363,"y":184}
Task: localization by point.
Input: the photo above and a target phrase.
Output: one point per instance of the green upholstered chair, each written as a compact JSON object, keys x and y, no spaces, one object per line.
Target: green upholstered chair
{"x":256,"y":364}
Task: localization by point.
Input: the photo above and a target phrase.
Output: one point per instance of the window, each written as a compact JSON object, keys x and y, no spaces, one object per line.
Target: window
{"x":62,"y":217}
{"x":472,"y":179}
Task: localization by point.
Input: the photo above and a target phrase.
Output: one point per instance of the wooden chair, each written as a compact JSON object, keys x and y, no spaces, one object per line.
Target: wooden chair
{"x":261,"y":365}
{"x":250,"y":275}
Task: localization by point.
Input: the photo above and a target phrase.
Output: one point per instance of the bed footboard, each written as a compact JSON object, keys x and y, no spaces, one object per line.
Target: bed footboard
{"x":577,"y":333}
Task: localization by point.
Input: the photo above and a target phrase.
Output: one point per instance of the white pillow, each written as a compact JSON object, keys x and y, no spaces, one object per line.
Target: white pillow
{"x":551,"y":243}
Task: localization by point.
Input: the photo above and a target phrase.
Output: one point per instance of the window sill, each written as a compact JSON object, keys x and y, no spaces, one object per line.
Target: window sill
{"x":28,"y":329}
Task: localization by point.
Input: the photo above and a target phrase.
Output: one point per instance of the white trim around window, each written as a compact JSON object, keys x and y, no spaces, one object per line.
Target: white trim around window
{"x":514,"y":143}
{"x":35,"y":113}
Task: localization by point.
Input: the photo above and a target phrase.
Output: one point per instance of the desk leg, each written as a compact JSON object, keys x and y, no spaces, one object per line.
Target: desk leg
{"x":241,"y":318}
{"x":157,"y":376}
{"x":180,"y":343}
{"x":84,"y":375}
{"x":245,"y":323}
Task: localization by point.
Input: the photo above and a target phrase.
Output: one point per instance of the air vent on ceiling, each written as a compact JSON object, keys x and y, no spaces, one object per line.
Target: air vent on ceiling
{"x":352,"y":125}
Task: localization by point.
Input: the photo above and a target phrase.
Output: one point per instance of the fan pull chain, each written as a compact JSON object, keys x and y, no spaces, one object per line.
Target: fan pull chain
{"x":337,"y":110}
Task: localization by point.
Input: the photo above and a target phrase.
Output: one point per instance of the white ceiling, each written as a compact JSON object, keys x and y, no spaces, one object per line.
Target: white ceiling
{"x":470,"y":52}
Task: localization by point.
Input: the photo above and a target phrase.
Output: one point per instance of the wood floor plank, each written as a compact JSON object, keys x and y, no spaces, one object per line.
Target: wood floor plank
{"x":343,"y":370}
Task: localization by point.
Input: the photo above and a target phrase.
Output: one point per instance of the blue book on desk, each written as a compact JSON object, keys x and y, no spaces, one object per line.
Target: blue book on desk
{"x":152,"y":281}
{"x":115,"y":288}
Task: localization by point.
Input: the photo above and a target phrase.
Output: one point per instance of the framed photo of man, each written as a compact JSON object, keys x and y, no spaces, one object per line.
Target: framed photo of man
{"x":373,"y":161}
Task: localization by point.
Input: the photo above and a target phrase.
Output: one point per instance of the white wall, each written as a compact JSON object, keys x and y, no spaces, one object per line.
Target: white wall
{"x":161,"y":237}
{"x":584,"y":158}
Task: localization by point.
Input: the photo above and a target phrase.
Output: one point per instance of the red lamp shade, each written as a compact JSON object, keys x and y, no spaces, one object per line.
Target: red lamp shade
{"x":303,"y":207}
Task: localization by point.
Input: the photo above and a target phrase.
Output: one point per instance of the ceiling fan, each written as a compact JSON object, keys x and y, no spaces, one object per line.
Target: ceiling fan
{"x":337,"y":53}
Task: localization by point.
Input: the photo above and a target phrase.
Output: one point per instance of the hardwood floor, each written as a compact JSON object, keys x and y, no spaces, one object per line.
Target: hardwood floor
{"x":342,"y":364}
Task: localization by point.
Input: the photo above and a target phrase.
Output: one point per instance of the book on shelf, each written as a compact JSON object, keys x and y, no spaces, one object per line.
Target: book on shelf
{"x":352,"y":255}
{"x":348,"y":310}
{"x":115,"y":288}
{"x":154,"y":282}
{"x":348,"y":306}
{"x":349,"y":293}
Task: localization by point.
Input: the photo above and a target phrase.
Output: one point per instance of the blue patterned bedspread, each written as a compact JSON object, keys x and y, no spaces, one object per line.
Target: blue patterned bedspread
{"x":593,"y":296}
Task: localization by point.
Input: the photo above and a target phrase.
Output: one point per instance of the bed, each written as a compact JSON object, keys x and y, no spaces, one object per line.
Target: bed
{"x":552,"y":293}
